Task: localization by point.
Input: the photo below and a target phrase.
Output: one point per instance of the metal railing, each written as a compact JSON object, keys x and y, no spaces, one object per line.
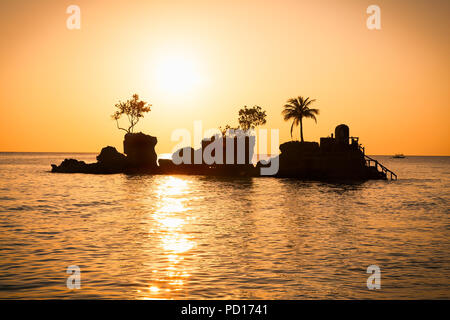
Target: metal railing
{"x":385,"y":170}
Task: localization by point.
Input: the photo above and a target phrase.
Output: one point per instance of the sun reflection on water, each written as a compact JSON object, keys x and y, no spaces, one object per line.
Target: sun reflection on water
{"x":172,"y":223}
{"x":171,"y":217}
{"x":173,"y":186}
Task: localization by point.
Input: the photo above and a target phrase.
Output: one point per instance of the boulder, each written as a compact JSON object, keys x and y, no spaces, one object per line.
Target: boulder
{"x":111,"y":161}
{"x":109,"y":156}
{"x":140,"y":150}
{"x":71,"y":166}
{"x":108,"y":161}
{"x":76,"y":166}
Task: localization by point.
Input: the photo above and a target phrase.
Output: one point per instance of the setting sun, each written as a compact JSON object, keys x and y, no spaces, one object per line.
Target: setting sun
{"x":178,"y":74}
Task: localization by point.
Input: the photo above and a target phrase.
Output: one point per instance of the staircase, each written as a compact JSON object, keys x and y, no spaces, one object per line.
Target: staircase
{"x":370,"y":162}
{"x":376,"y":164}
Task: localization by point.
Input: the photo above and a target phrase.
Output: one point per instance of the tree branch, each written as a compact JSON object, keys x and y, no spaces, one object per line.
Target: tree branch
{"x":117,"y":122}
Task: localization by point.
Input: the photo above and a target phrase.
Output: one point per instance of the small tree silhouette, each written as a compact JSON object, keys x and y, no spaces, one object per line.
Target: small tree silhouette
{"x":250,"y":118}
{"x":134,"y":109}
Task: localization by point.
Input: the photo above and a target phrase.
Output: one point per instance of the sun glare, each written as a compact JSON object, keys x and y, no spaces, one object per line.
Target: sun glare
{"x":178,"y":74}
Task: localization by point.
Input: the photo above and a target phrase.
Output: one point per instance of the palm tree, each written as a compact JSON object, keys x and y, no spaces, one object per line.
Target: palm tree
{"x":297,"y":109}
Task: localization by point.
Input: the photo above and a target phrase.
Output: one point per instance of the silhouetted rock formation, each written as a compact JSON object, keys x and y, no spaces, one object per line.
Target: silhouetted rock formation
{"x":340,"y":158}
{"x":71,"y":166}
{"x":334,"y":159}
{"x":108,"y":161}
{"x":214,"y":158}
{"x":235,"y":150}
{"x":109,"y":157}
{"x":140,"y":150}
{"x":186,"y":160}
{"x":141,"y":157}
{"x":307,"y":161}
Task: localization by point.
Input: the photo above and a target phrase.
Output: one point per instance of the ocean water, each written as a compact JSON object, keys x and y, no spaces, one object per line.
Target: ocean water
{"x":197,"y":237}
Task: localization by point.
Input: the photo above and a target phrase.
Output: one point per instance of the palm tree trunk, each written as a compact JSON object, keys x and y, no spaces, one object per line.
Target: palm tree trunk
{"x":301,"y":130}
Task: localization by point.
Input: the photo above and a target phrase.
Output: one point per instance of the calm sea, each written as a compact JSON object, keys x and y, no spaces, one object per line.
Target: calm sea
{"x":196,"y":237}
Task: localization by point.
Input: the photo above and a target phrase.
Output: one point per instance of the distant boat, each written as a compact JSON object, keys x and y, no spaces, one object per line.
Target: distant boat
{"x":399,"y":156}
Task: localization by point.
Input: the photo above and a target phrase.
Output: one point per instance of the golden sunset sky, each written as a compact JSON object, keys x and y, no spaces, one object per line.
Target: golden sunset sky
{"x":204,"y":60}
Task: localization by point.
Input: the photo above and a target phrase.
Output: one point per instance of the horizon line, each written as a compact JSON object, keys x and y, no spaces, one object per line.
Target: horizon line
{"x":96,"y":152}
